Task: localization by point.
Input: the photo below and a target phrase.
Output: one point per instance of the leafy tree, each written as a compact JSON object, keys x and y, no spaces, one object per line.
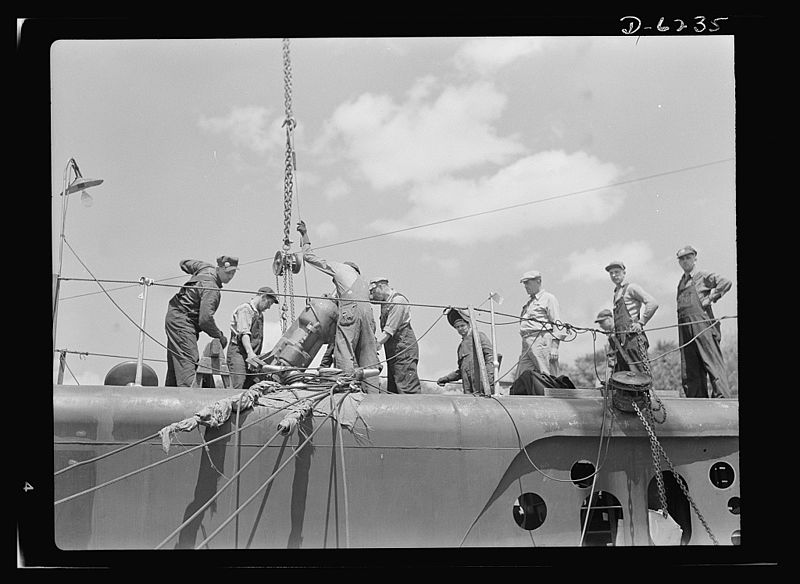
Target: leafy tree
{"x":665,"y":366}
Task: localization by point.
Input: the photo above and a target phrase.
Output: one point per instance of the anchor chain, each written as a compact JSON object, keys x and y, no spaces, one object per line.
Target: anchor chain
{"x":662,"y":493}
{"x":658,"y":451}
{"x":646,"y":366}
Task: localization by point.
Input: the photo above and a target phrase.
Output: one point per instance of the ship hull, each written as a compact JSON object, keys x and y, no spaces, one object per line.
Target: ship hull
{"x":419,"y":471}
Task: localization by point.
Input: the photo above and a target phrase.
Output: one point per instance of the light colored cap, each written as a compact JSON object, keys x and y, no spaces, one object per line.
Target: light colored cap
{"x":686,"y":250}
{"x":531,"y":275}
{"x":615,"y":264}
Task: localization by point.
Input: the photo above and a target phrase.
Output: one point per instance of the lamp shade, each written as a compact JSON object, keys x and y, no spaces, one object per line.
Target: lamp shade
{"x":81,"y":183}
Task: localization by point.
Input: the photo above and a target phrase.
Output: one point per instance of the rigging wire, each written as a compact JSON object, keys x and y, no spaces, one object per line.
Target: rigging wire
{"x":557,"y":324}
{"x":344,"y":473}
{"x":217,"y":493}
{"x":459,"y":218}
{"x":169,"y":458}
{"x":268,"y":481}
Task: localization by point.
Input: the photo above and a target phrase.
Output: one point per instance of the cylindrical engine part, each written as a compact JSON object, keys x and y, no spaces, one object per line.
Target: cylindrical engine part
{"x":302,"y":341}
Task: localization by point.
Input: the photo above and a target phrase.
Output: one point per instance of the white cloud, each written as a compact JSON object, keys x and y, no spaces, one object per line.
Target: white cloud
{"x":326,"y":231}
{"x":248,"y":127}
{"x":336,"y":189}
{"x":533,"y":179}
{"x":424,"y":138}
{"x":527,"y":259}
{"x":637,"y":256}
{"x":449,"y":266}
{"x":487,"y":54}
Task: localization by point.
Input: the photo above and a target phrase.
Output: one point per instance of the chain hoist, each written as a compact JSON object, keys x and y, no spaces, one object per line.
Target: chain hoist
{"x":285,"y":264}
{"x":641,"y":344}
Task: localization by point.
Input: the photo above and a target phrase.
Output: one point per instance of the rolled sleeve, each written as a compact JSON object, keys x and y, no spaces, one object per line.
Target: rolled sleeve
{"x":397,"y":314}
{"x":243,"y":320}
{"x":648,"y":302}
{"x":719,"y":286}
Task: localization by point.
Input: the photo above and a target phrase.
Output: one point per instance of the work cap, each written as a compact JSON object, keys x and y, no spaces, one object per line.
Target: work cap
{"x":686,"y":250}
{"x":229,"y":263}
{"x":354,"y":266}
{"x":615,"y":264}
{"x":268,"y":291}
{"x":454,"y":315}
{"x":604,"y":314}
{"x":532,"y":275}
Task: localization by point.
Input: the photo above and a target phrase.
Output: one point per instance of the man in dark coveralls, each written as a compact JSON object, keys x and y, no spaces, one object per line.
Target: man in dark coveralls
{"x":397,"y":338}
{"x":465,"y":355}
{"x":354,"y":342}
{"x":701,"y":359}
{"x":192,"y":310}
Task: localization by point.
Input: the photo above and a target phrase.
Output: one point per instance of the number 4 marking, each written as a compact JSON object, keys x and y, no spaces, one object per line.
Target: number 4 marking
{"x":27,"y":487}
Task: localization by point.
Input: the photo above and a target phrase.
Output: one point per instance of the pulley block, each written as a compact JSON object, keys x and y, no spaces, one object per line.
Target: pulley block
{"x":285,"y":262}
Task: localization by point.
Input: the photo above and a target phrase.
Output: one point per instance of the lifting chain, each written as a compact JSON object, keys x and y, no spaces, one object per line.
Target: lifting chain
{"x":657,"y":453}
{"x":640,"y":339}
{"x":288,"y":186}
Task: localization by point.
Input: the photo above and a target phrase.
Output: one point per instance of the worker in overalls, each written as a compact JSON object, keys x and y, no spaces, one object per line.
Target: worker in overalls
{"x":396,"y":337}
{"x":701,"y":357}
{"x":191,"y":311}
{"x":633,"y":308}
{"x":247,"y":336}
{"x":354,"y":343}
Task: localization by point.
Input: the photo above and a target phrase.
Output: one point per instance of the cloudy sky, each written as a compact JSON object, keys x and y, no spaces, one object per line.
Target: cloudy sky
{"x":450,"y":165}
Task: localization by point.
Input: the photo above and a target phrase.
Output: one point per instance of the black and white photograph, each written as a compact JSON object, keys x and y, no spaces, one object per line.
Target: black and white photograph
{"x":318,"y":297}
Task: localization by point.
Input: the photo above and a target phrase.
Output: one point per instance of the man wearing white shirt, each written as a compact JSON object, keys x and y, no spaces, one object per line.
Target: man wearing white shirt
{"x":540,"y":336}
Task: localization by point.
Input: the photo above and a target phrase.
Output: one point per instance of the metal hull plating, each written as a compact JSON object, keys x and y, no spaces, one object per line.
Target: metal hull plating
{"x":427,"y":471}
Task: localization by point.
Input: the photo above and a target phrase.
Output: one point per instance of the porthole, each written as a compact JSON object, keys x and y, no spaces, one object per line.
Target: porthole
{"x":734,"y":505}
{"x":529,"y":511}
{"x":721,"y":475}
{"x":678,"y":510}
{"x":736,"y":537}
{"x":603,"y":527}
{"x":582,"y":473}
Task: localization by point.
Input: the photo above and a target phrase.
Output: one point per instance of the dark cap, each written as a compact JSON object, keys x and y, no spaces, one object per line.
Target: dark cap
{"x":268,"y":291}
{"x":615,"y":264}
{"x":604,"y":314}
{"x":228,"y":263}
{"x":354,"y":266}
{"x":686,"y":250}
{"x":454,"y":315}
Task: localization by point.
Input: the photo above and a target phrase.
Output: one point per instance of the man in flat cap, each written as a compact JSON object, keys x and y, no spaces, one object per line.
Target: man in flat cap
{"x":633,"y":308}
{"x":354,"y":344}
{"x":467,"y":368}
{"x":247,"y":336}
{"x":191,"y":311}
{"x":540,"y":336}
{"x":397,"y":337}
{"x":701,"y":357}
